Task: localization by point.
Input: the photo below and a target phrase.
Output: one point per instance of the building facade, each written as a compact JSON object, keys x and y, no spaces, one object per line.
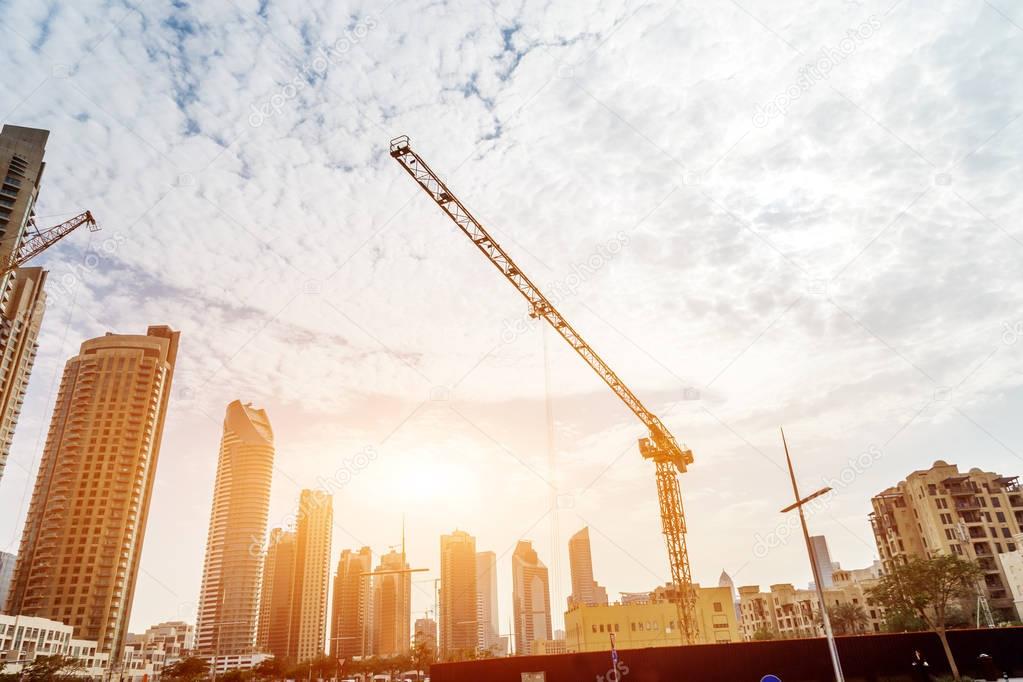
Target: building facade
{"x":274,"y":632}
{"x":229,"y":596}
{"x":20,"y":321}
{"x":80,"y":548}
{"x":973,"y":515}
{"x":22,"y":301}
{"x":392,"y":606}
{"x":531,"y":598}
{"x":426,"y":634}
{"x":1011,"y":562}
{"x":312,"y":575}
{"x":458,"y":589}
{"x":487,"y":621}
{"x":651,"y":622}
{"x":24,"y":638}
{"x":351,"y":619}
{"x":7,"y":561}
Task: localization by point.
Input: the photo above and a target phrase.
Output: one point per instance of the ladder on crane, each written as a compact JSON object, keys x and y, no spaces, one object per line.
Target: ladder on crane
{"x":660,"y":446}
{"x":44,"y":239}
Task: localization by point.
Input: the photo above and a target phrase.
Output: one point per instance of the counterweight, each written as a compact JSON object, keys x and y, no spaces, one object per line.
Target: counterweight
{"x":669,"y":457}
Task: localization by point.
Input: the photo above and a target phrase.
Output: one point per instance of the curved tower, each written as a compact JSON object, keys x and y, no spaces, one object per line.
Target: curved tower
{"x":229,"y":598}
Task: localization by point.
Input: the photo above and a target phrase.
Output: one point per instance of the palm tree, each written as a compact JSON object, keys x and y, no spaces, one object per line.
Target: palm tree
{"x":848,"y":618}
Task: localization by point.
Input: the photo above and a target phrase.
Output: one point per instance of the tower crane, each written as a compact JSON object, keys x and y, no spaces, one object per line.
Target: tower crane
{"x":44,"y":239}
{"x":660,"y":446}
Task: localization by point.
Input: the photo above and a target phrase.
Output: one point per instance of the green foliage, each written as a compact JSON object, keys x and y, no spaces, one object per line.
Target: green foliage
{"x":47,"y":668}
{"x":764,"y":634}
{"x":929,"y":589}
{"x":270,"y":669}
{"x":847,"y":619}
{"x":188,"y":669}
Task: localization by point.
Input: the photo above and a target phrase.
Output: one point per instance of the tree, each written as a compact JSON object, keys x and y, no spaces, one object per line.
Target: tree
{"x":271,"y":668}
{"x":929,"y":589}
{"x":187,"y":669}
{"x":763,"y":634}
{"x":422,"y":657}
{"x":847,"y":618}
{"x":55,"y":667}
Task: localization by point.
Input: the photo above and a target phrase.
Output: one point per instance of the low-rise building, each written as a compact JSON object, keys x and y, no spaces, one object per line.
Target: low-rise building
{"x":650,"y":621}
{"x":220,"y":665}
{"x":24,"y":638}
{"x":547,"y":647}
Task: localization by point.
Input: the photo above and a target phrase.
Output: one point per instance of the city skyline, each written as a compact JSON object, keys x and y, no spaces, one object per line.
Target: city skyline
{"x":835,"y":267}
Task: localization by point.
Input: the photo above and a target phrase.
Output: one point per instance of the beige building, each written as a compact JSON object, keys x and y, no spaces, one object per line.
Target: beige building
{"x":458,"y":589}
{"x":392,"y":606}
{"x":973,"y":515}
{"x":22,"y":301}
{"x":351,"y":620}
{"x":229,"y":596}
{"x":1012,"y":568}
{"x":787,"y":612}
{"x":531,"y":598}
{"x":426,"y":634}
{"x":278,"y":585}
{"x":25,"y":638}
{"x":487,"y":622}
{"x":585,"y":590}
{"x":312,"y":575}
{"x":79,"y":554}
{"x":650,"y":622}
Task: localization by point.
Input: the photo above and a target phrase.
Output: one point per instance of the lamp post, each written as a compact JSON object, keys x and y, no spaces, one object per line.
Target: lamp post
{"x":798,"y":504}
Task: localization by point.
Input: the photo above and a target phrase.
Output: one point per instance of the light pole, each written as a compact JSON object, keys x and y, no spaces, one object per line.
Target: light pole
{"x":798,"y":504}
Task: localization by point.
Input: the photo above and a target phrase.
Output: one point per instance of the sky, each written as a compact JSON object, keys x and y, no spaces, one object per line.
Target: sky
{"x":761,"y":215}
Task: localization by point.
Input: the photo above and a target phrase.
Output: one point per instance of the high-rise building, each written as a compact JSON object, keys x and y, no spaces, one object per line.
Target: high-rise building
{"x":21,"y":162}
{"x":392,"y":606}
{"x":22,"y":301}
{"x":822,"y":556}
{"x":457,"y":593}
{"x":229,"y":597}
{"x":426,"y":634}
{"x":312,"y":575}
{"x":487,"y":623}
{"x":7,"y":561}
{"x":939,"y":510}
{"x":585,"y":590}
{"x":276,"y":594}
{"x":80,"y":549}
{"x":531,"y":598}
{"x":351,"y":620}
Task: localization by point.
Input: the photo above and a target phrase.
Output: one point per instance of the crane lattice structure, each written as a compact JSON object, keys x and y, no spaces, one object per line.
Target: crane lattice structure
{"x":44,"y":239}
{"x":668,"y":456}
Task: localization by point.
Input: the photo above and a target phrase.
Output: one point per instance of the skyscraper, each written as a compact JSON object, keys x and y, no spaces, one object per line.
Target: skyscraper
{"x":531,"y":598}
{"x":823,"y":558}
{"x":229,"y":597}
{"x":487,"y":623}
{"x":351,"y":620}
{"x":312,"y":575}
{"x":457,"y":593}
{"x":20,"y":320}
{"x":426,"y":634}
{"x":585,"y":590}
{"x":392,"y":606}
{"x":83,"y":536}
{"x":21,"y":291}
{"x":21,"y":161}
{"x":276,"y":594}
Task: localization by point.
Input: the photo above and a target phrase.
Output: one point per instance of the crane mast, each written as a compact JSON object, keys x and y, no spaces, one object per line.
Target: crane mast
{"x":47,"y":238}
{"x":660,"y":446}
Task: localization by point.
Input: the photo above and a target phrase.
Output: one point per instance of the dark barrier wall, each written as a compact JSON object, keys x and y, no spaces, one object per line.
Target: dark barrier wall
{"x":868,"y":658}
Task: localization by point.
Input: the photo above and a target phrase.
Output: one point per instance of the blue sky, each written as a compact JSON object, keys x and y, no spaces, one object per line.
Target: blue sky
{"x":798,"y":214}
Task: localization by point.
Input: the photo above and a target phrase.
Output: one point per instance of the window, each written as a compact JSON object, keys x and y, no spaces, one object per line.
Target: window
{"x":717,"y":607}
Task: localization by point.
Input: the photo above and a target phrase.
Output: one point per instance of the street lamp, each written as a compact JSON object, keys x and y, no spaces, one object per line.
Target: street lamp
{"x":818,"y":583}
